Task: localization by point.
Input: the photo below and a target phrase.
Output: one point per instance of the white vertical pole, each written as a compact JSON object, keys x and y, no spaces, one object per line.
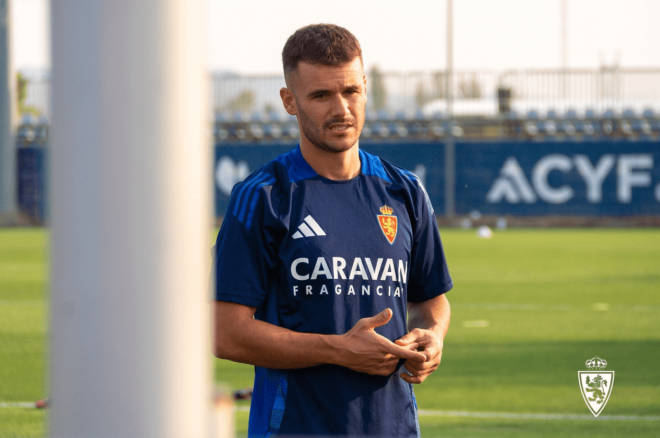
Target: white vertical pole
{"x":564,"y":50}
{"x":450,"y":58}
{"x":564,"y":36}
{"x":450,"y":144}
{"x":131,"y":189}
{"x":8,"y":207}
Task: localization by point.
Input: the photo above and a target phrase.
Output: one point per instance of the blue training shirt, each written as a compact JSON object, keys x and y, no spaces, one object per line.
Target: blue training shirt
{"x":315,"y":255}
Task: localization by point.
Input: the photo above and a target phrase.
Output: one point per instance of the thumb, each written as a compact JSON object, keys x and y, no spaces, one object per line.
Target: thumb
{"x":378,"y":320}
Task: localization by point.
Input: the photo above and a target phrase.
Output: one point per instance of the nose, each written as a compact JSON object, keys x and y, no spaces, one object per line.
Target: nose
{"x":340,"y":107}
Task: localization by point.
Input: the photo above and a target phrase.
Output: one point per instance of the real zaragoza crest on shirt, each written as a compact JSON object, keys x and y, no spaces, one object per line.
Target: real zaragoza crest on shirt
{"x":596,"y":384}
{"x":388,"y":223}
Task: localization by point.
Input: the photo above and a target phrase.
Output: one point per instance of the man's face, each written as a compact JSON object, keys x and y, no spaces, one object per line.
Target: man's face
{"x":329,"y":102}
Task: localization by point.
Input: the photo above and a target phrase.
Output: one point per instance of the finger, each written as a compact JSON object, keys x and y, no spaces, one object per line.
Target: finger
{"x":406,"y":339}
{"x":411,"y":347}
{"x":419,"y":360}
{"x":378,"y":320}
{"x":419,"y":371}
{"x":430,"y":351}
{"x":404,"y":353}
{"x":412,"y":379}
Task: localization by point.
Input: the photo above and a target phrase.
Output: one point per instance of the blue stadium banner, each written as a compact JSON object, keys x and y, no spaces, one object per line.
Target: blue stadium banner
{"x":233,"y":163}
{"x":558,"y":178}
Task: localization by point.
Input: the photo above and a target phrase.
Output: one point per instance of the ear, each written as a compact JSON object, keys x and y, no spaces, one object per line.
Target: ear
{"x":289,"y":101}
{"x":366,"y":95}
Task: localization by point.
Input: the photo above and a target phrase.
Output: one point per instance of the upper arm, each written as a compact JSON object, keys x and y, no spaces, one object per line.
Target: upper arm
{"x":246,"y":247}
{"x":429,"y":274}
{"x":227,"y":318}
{"x":432,"y":303}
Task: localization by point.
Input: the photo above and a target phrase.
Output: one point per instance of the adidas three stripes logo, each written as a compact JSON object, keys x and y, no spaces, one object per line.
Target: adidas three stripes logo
{"x":309,"y":228}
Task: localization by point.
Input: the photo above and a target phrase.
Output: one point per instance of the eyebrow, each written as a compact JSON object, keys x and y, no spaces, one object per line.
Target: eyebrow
{"x":315,"y":92}
{"x":322,"y":91}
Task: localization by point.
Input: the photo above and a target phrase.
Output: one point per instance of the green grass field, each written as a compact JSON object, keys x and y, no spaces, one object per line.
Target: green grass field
{"x":530,"y":306}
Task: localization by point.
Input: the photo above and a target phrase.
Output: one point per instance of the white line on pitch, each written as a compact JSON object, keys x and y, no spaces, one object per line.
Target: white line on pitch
{"x":560,"y":307}
{"x":18,"y":405}
{"x":518,"y":416}
{"x":428,"y":413}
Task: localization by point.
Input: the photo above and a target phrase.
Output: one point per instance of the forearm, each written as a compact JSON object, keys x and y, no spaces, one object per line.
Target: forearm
{"x":433,"y":315}
{"x":241,"y":338}
{"x":248,"y":340}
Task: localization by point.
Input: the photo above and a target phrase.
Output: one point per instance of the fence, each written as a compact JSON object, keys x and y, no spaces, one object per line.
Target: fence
{"x":424,"y":93}
{"x":583,"y":90}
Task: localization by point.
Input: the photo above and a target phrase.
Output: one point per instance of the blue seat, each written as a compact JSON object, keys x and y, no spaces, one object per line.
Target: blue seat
{"x":609,"y":114}
{"x":648,"y":113}
{"x":629,"y":113}
{"x":381,"y":130}
{"x":548,"y":127}
{"x":384,"y":115}
{"x":239,"y":117}
{"x":398,"y":129}
{"x":221,"y":117}
{"x":366,"y":130}
{"x":436,"y":129}
{"x":256,"y":131}
{"x":274,"y":116}
{"x":568,"y":128}
{"x":585,"y":127}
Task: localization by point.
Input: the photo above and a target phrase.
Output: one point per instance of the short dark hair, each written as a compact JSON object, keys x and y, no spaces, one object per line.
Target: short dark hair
{"x":325,"y":44}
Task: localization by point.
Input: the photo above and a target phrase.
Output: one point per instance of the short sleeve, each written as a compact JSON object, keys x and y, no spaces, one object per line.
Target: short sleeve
{"x":429,"y":274}
{"x":246,"y":247}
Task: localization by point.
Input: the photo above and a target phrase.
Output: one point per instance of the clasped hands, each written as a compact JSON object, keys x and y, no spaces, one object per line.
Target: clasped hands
{"x":366,"y":351}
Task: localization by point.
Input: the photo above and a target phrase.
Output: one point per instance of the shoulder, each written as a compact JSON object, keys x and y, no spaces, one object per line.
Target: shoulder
{"x":277,"y":173}
{"x":266,"y":188}
{"x":394,"y":175}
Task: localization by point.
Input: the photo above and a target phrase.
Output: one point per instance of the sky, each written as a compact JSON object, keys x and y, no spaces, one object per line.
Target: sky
{"x":247,"y":36}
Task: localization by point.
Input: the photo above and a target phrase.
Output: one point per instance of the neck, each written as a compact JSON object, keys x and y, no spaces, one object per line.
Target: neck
{"x":338,"y":166}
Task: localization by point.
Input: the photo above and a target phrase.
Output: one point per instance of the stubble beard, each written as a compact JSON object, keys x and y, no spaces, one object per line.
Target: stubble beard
{"x":314,"y":133}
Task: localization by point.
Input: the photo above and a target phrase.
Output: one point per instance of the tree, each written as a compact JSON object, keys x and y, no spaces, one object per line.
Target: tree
{"x":378,"y":91}
{"x":438,"y":89}
{"x":439,"y":85}
{"x":243,"y":102}
{"x":21,"y":94}
{"x":421,"y":96}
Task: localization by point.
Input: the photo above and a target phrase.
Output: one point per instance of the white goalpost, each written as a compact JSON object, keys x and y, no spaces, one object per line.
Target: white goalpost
{"x":131,"y":178}
{"x":8,"y":207}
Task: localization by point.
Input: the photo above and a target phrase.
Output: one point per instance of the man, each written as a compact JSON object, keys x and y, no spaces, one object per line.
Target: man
{"x":322,"y":254}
